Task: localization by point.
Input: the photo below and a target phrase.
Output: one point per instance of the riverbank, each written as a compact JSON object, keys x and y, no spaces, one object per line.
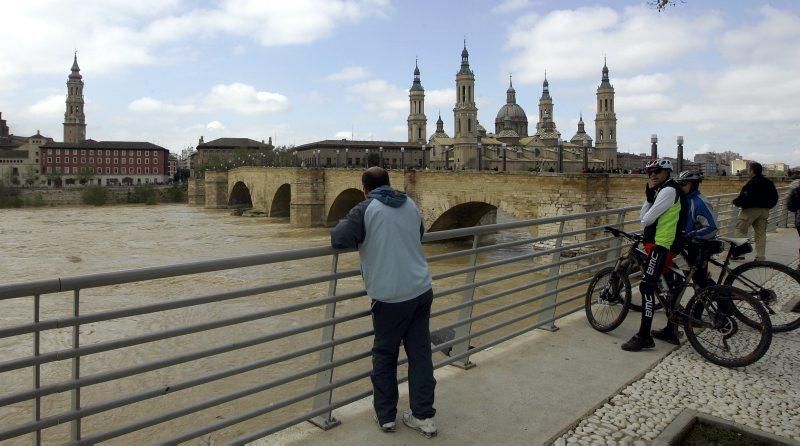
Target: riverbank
{"x":96,"y":195}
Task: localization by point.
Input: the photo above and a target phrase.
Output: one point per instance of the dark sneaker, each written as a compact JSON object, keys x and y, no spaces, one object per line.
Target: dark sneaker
{"x":637,"y":343}
{"x":737,"y":258}
{"x":666,"y":334}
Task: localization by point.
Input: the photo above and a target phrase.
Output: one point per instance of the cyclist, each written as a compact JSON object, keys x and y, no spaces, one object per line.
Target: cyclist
{"x":701,"y":226}
{"x":663,"y":215}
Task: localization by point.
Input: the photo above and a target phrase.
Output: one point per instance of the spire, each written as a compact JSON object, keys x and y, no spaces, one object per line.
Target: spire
{"x":581,"y":128}
{"x":76,"y":71}
{"x":605,"y":82}
{"x":511,"y":94}
{"x":545,"y":87}
{"x":417,"y":85}
{"x":465,"y":60}
{"x":440,"y":124}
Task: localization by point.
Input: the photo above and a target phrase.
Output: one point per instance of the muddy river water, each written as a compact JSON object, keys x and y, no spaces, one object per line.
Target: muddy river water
{"x":61,"y":242}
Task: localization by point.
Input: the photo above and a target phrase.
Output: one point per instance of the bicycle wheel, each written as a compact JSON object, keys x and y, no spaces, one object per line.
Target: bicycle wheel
{"x":608,"y":299}
{"x":776,"y":286}
{"x":714,"y":331}
{"x":635,"y":276}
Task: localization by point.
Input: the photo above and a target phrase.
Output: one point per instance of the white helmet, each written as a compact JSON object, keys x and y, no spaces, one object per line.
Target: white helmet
{"x":688,"y":175}
{"x":661,"y":163}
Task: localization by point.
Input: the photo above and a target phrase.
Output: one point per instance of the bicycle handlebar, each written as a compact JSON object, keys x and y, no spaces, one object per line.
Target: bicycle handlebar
{"x":620,"y":233}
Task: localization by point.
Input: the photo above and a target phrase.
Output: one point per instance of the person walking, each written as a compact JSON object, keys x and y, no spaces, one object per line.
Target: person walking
{"x":793,"y":205}
{"x":663,"y":216}
{"x":757,"y":197}
{"x":387,"y":229}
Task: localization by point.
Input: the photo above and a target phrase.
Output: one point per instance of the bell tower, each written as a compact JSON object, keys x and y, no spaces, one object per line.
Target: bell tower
{"x":417,"y":121}
{"x":465,"y":114}
{"x":74,"y":119}
{"x":605,"y":122}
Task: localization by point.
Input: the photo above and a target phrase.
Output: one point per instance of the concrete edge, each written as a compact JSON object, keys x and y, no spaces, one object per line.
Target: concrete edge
{"x":602,"y":402}
{"x":681,"y":424}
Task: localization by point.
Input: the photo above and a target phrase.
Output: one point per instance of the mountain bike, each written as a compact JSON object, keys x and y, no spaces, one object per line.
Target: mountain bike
{"x":777,"y":286}
{"x":713,"y":319}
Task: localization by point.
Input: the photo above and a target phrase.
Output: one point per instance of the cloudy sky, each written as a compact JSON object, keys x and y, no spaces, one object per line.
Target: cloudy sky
{"x":722,"y":73}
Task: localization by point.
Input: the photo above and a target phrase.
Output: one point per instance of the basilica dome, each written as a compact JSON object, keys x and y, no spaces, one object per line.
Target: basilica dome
{"x":515,"y":114}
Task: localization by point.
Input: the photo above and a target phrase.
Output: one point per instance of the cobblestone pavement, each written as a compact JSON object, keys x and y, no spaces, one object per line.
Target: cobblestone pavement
{"x":765,"y":396}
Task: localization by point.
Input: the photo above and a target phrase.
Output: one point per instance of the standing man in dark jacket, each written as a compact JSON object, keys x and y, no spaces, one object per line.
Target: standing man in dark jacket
{"x":387,"y":230}
{"x":757,"y":197}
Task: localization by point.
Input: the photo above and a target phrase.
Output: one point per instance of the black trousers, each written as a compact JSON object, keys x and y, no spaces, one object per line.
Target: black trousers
{"x":407,"y":322}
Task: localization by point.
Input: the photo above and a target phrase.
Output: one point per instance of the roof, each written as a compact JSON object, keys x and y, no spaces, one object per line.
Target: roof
{"x":514,"y":111}
{"x":128,"y":145}
{"x":232,"y":143}
{"x":10,"y":142}
{"x":15,"y":154}
{"x":355,"y":144}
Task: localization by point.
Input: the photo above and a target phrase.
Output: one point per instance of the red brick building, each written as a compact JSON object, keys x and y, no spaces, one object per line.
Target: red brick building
{"x":109,"y":162}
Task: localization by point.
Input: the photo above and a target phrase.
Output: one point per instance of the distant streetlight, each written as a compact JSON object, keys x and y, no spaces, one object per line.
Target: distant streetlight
{"x":422,"y":162}
{"x":585,"y":155}
{"x":680,"y":154}
{"x":402,"y":158}
{"x":504,"y":157}
{"x":560,"y":160}
{"x":446,"y":154}
{"x":654,"y":146}
{"x":337,"y":158}
{"x":380,"y":149}
{"x":346,"y":159}
{"x":480,"y":156}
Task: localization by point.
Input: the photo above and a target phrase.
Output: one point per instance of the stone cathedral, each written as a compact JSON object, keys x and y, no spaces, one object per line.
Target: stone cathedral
{"x":511,"y":147}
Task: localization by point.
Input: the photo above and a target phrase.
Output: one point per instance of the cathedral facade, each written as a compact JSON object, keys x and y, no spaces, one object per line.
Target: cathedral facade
{"x":511,"y":147}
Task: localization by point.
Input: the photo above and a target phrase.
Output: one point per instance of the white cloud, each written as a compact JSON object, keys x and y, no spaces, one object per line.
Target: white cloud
{"x":215,"y":125}
{"x":512,"y":6}
{"x":51,"y":105}
{"x":439,"y":99}
{"x":150,"y":105}
{"x":349,"y":74}
{"x":244,"y":99}
{"x":237,"y":97}
{"x":344,"y":134}
{"x":377,"y":96}
{"x":569,"y":43}
{"x":114,"y":35}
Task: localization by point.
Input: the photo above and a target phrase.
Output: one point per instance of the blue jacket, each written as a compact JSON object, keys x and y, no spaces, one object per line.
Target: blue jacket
{"x":387,"y":230}
{"x":700,"y":223}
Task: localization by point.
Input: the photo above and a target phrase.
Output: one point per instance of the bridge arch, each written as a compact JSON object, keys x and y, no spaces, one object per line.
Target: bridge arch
{"x":463,"y":215}
{"x":240,"y":196}
{"x":281,"y":201}
{"x":345,"y":201}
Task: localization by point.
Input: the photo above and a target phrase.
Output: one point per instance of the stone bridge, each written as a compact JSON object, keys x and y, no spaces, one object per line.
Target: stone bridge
{"x":447,"y":200}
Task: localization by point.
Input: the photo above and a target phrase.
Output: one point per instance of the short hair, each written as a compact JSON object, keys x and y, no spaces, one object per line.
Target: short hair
{"x":757,"y":168}
{"x":374,"y":177}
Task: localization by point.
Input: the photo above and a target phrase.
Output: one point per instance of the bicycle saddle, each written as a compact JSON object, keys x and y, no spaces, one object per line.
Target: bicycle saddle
{"x":733,"y":241}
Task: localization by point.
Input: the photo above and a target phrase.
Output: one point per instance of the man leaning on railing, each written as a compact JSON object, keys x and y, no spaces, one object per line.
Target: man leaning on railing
{"x":387,"y":230}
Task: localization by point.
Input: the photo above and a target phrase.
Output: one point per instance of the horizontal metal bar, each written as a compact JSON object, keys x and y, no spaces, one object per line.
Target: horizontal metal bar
{"x":171,"y":305}
{"x":158,"y":419}
{"x":153,"y":393}
{"x":159,"y":364}
{"x":166,"y":334}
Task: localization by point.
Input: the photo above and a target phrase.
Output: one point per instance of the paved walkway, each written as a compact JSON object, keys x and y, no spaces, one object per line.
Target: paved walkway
{"x":535,"y":387}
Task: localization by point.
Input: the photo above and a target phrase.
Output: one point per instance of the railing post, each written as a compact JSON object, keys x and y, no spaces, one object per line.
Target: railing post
{"x":732,"y":223}
{"x":37,"y":402}
{"x":466,"y":313}
{"x":555,"y":270}
{"x":772,"y":222}
{"x":617,"y":242}
{"x":326,"y":421}
{"x":75,"y":425}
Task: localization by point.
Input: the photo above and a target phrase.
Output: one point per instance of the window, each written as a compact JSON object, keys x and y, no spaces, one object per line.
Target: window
{"x":130,"y":160}
{"x":58,"y":160}
{"x":74,"y":160}
{"x":108,"y":170}
{"x":83,"y":152}
{"x":91,"y":152}
{"x":601,"y":135}
{"x":49,"y":160}
{"x":155,"y":160}
{"x":123,"y":160}
{"x":606,"y":104}
{"x":116,"y":160}
{"x":74,"y":151}
{"x":469,"y":125}
{"x":138,"y":170}
{"x":155,"y":169}
{"x":108,"y":160}
{"x":91,"y":160}
{"x":124,"y":170}
{"x":99,"y":170}
{"x":108,"y":153}
{"x":146,"y":170}
{"x":58,"y":151}
{"x":147,"y":160}
{"x":47,"y":169}
{"x":138,"y":161}
{"x":116,"y":152}
{"x":83,"y":159}
{"x":116,"y":169}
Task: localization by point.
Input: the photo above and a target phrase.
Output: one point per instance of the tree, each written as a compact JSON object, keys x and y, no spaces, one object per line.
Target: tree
{"x":54,"y":177}
{"x":181,"y":175}
{"x":30,"y":176}
{"x":85,"y":174}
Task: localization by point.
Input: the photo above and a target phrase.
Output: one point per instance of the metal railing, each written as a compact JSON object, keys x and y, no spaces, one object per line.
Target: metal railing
{"x":508,"y":288}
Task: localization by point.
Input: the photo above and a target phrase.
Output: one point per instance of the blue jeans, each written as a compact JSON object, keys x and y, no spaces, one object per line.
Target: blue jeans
{"x":406,"y":322}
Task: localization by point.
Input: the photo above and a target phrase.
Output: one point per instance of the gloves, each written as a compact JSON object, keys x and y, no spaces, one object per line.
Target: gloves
{"x":650,"y":193}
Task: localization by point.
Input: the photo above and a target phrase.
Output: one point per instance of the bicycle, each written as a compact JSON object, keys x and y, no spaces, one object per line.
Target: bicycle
{"x":777,"y":286}
{"x":710,"y":318}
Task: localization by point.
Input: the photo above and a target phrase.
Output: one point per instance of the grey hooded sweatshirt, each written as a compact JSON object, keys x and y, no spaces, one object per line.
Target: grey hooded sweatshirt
{"x":387,"y":230}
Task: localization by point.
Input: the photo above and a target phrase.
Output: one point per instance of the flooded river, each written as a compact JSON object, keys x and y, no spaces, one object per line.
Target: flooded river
{"x":61,"y":242}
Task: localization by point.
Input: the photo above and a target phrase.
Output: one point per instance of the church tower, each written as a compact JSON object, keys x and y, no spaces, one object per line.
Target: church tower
{"x":465,"y":146}
{"x":605,"y":122}
{"x":74,"y":119}
{"x":545,"y":108}
{"x":417,"y":121}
